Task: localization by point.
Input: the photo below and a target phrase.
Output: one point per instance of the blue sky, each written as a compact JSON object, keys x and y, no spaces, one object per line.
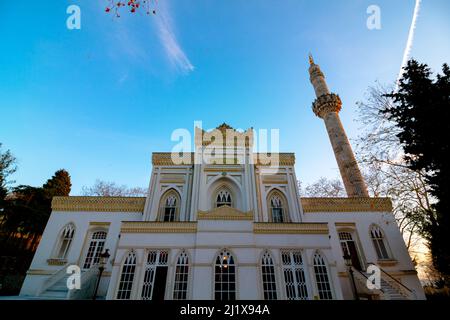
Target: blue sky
{"x":99,"y":100}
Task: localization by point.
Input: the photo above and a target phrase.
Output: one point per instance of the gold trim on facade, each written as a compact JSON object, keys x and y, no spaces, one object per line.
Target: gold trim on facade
{"x":225,"y":213}
{"x":290,"y":228}
{"x":275,"y":182}
{"x":158,"y":227}
{"x":345,"y":224}
{"x":387,"y":263}
{"x":223,"y":169}
{"x":174,"y":181}
{"x":56,"y":262}
{"x":99,"y":204}
{"x":39,"y":272}
{"x":165,"y":159}
{"x":99,"y":224}
{"x":284,"y":159}
{"x":311,"y":205}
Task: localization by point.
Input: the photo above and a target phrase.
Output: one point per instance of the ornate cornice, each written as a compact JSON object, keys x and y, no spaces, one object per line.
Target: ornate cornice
{"x":99,"y":204}
{"x":158,"y":227}
{"x":225,"y":213}
{"x":224,"y":136}
{"x":311,"y":205}
{"x":290,"y":228}
{"x":327,"y":103}
{"x":269,"y":159}
{"x":165,"y":159}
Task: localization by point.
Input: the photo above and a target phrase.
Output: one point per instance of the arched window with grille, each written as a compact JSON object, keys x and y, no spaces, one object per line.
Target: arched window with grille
{"x":127,"y":277}
{"x":96,"y":246}
{"x":65,"y":241}
{"x":223,"y":198}
{"x":379,"y":242}
{"x":180,"y":287}
{"x":322,"y":277}
{"x":225,"y":276}
{"x":277,"y":205}
{"x":294,"y":275}
{"x":268,"y":277}
{"x":169,"y":206}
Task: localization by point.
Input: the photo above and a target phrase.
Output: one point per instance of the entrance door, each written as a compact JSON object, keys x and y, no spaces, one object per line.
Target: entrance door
{"x":160,"y":284}
{"x":155,"y":276}
{"x":349,"y":247}
{"x":96,"y":245}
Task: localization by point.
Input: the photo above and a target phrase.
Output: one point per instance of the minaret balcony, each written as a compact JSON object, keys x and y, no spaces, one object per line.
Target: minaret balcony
{"x":327,"y":103}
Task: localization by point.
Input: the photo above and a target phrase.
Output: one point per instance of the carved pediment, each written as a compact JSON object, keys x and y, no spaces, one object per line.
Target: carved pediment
{"x":225,"y":213}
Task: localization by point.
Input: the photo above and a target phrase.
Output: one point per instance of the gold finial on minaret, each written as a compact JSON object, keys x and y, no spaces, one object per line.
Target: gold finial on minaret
{"x":311,"y":59}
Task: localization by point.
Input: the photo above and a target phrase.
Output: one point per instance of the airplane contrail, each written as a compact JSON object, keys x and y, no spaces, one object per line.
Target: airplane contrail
{"x":409,"y":43}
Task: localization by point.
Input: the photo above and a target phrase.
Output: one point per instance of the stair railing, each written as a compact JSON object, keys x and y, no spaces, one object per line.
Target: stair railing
{"x":396,"y":284}
{"x":54,"y":278}
{"x":363,"y":278}
{"x":88,"y":280}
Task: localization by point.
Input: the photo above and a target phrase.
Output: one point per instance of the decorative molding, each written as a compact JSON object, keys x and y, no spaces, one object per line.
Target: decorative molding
{"x":99,"y":224}
{"x":363,"y":204}
{"x":387,"y":262}
{"x":223,"y":169}
{"x":172,"y":181}
{"x":224,"y":136}
{"x":225,"y":213}
{"x":165,"y":159}
{"x":345,"y":224}
{"x":268,"y":159}
{"x":275,"y":182}
{"x":56,"y":262}
{"x":99,"y":204}
{"x":290,"y":228}
{"x":158,"y":227}
{"x":40,"y":272}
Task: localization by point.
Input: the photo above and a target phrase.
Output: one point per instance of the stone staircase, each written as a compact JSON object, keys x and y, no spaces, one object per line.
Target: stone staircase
{"x":55,"y":287}
{"x":390,"y":288}
{"x":57,"y":291}
{"x":391,"y":293}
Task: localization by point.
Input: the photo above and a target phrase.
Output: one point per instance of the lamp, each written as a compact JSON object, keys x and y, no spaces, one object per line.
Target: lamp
{"x":348,"y":260}
{"x":103,"y":260}
{"x":349,"y":264}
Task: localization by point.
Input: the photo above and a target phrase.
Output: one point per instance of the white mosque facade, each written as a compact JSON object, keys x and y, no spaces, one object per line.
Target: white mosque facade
{"x":229,"y":227}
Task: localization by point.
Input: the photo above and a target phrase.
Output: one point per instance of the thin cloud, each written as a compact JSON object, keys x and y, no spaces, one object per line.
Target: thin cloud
{"x":174,"y":52}
{"x":410,"y":41}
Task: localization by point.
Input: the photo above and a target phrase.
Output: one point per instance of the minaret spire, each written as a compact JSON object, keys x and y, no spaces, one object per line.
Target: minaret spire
{"x":327,"y":106}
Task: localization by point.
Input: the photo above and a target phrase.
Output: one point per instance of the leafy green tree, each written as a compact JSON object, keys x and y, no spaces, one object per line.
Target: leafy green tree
{"x":421,"y":110}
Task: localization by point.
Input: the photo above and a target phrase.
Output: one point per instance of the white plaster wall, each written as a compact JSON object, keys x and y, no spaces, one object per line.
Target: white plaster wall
{"x":245,"y":246}
{"x":50,"y":238}
{"x":403,"y":270}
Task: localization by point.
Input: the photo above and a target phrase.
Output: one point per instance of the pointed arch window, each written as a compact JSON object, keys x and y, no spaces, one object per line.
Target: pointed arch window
{"x":169,"y":207}
{"x":294,"y":275}
{"x":65,"y":240}
{"x":181,"y":277}
{"x":379,"y":242}
{"x":127,"y":277}
{"x":278,"y":207}
{"x":223,"y":198}
{"x":225,"y":277}
{"x":268,"y":277}
{"x":322,"y":277}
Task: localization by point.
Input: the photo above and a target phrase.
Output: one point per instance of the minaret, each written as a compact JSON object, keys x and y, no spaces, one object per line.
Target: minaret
{"x":327,"y":106}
